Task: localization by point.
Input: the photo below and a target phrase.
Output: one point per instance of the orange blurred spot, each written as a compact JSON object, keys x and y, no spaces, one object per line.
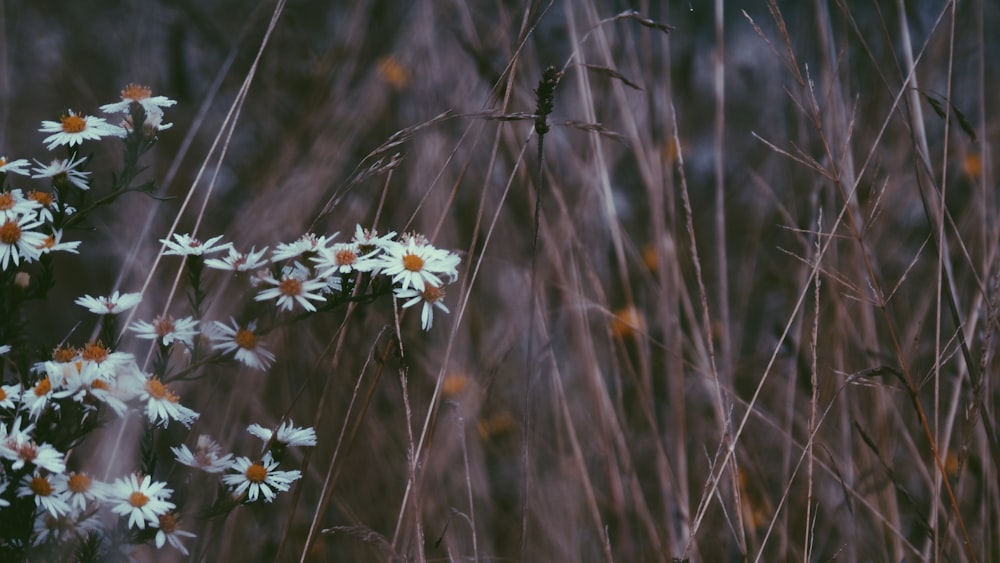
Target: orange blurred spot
{"x":627,"y":322}
{"x":650,"y":257}
{"x":972,"y":165}
{"x":393,"y":72}
{"x":454,"y":384}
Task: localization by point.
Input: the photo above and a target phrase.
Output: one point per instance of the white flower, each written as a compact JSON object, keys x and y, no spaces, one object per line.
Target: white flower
{"x":49,"y":528}
{"x":4,"y":349}
{"x":143,"y":96}
{"x":74,"y":129}
{"x":306,"y":243}
{"x":80,"y":489}
{"x":238,"y":261}
{"x":167,"y":330}
{"x":112,"y":305}
{"x":54,"y":243}
{"x":431,"y":297}
{"x":142,"y":501}
{"x":9,"y":393}
{"x":369,"y":240}
{"x":293,"y":287}
{"x":18,"y":446}
{"x":18,"y":241}
{"x":186,"y":245}
{"x":162,"y":404}
{"x":169,"y":532}
{"x":259,"y":478}
{"x":64,"y":170}
{"x":243,"y":341}
{"x":287,"y":435}
{"x":19,"y":166}
{"x":35,"y":399}
{"x":416,"y":263}
{"x":344,"y":258}
{"x":46,"y":491}
{"x":206,"y":456}
{"x":14,"y":205}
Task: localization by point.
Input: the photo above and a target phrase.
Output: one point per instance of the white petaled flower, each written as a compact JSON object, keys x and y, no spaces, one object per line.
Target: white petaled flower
{"x":243,"y":341}
{"x":4,"y":349}
{"x":112,"y":305}
{"x":416,"y":263}
{"x":74,"y":129}
{"x":142,"y":501}
{"x":59,"y":529}
{"x":46,"y":493}
{"x":169,"y":532}
{"x":239,"y":262}
{"x":3,"y":489}
{"x":307,"y":243}
{"x":19,"y":166}
{"x":19,"y":447}
{"x":287,"y":434}
{"x":9,"y":393}
{"x":89,"y":382}
{"x":186,"y":245}
{"x":34,"y":400}
{"x":162,"y":404}
{"x":259,"y":478}
{"x":18,"y":241}
{"x":13,"y":205}
{"x":80,"y":489}
{"x":431,"y":297}
{"x":46,"y":204}
{"x":143,"y":95}
{"x":62,"y":171}
{"x":54,"y":243}
{"x":344,"y":258}
{"x":167,"y":330}
{"x":295,"y":286}
{"x":207,"y":455}
{"x":369,"y":240}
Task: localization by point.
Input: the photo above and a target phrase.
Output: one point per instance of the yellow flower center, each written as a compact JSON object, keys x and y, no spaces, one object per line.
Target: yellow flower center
{"x":136,"y":93}
{"x":43,"y":388}
{"x":256,"y":473}
{"x":290,"y":286}
{"x":10,"y":232}
{"x":79,"y":483}
{"x":40,"y":486}
{"x":245,"y":339}
{"x":73,"y":123}
{"x":346,"y":257}
{"x":413,"y":263}
{"x":138,"y":499}
{"x":95,"y":352}
{"x":6,"y":200}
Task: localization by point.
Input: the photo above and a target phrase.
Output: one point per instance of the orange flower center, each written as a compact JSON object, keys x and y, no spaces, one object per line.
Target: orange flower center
{"x":164,"y":326}
{"x":27,"y":451}
{"x":159,"y":391}
{"x":3,"y":394}
{"x":246,"y":339}
{"x":79,"y":483}
{"x":95,"y":352}
{"x":256,"y":473}
{"x":431,"y":293}
{"x":64,"y":354}
{"x":40,"y":486}
{"x":43,"y":388}
{"x":138,"y":499}
{"x":290,"y":286}
{"x":44,"y":198}
{"x":6,"y":200}
{"x":73,"y":123}
{"x":49,"y":242}
{"x":100,"y":384}
{"x":346,"y":257}
{"x":413,"y":263}
{"x":136,"y":93}
{"x":10,"y":232}
{"x":168,"y":523}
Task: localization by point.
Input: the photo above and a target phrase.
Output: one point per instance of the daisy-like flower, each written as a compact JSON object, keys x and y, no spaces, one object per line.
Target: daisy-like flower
{"x":63,"y":172}
{"x":431,"y":297}
{"x":186,"y":245}
{"x":74,"y":129}
{"x":295,"y":286}
{"x":307,"y":243}
{"x":167,"y":330}
{"x":162,"y":404}
{"x":35,"y":399}
{"x":9,"y":393}
{"x":14,"y":205}
{"x":207,"y":455}
{"x":243,"y":341}
{"x":86,"y":382}
{"x":344,"y":258}
{"x":57,"y":529}
{"x":239,"y":262}
{"x":112,"y":305}
{"x":46,"y":204}
{"x":19,"y":166}
{"x":81,"y":489}
{"x":169,"y":532}
{"x":4,"y":349}
{"x":369,"y":240}
{"x":286,"y":436}
{"x":46,"y":491}
{"x":143,"y":501}
{"x":54,"y":243}
{"x":18,"y":446}
{"x":142,"y":95}
{"x":416,"y":263}
{"x":259,"y":478}
{"x":18,"y":241}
